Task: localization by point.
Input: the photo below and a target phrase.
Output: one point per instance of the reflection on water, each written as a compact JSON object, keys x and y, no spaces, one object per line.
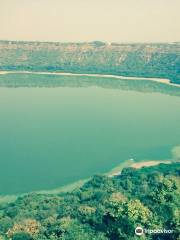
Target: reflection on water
{"x":32,"y":80}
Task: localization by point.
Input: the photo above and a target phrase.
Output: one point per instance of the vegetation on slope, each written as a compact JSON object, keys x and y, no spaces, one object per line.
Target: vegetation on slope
{"x":143,"y":60}
{"x":104,"y":208}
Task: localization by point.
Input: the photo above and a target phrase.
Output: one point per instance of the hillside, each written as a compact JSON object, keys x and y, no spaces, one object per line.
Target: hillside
{"x":104,"y":208}
{"x":143,"y":60}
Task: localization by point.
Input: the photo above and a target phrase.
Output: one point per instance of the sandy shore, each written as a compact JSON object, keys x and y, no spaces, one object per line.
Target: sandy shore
{"x":148,"y":164}
{"x":3,"y":72}
{"x":137,"y":165}
{"x":160,"y":80}
{"x":70,"y":187}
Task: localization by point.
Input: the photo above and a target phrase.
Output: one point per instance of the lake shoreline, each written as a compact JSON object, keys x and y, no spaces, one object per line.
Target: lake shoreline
{"x":72,"y":186}
{"x":138,"y":165}
{"x":160,"y":80}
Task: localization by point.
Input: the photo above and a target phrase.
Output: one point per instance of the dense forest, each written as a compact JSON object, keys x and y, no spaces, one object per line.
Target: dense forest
{"x":103,"y":208}
{"x":141,"y":60}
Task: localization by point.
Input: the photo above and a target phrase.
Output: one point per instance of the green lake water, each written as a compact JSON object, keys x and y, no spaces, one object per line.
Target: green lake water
{"x":54,"y":135}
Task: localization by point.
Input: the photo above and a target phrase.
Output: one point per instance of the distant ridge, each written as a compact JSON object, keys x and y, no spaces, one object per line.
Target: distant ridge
{"x":149,"y":60}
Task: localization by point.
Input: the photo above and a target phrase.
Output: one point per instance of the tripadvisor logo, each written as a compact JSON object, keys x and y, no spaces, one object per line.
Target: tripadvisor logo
{"x":140,"y":231}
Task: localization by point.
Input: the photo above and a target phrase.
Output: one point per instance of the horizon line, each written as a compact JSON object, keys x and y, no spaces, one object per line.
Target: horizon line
{"x":92,"y":41}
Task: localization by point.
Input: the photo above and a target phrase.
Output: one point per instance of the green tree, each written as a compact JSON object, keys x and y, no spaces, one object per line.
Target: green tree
{"x":22,"y":236}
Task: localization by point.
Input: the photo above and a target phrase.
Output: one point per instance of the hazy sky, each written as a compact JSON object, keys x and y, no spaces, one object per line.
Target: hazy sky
{"x":87,"y":20}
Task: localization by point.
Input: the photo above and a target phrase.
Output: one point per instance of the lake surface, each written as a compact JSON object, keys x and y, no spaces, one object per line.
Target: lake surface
{"x":52,"y":136}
